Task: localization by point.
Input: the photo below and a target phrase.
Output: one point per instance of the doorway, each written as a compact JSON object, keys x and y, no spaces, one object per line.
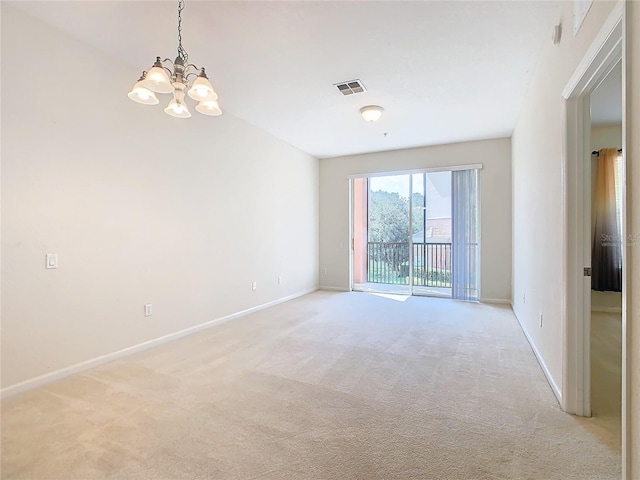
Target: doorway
{"x":606,"y":223}
{"x":599,"y":60}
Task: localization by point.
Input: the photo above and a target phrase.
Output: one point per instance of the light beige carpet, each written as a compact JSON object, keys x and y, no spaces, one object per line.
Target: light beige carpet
{"x":606,"y":373}
{"x":328,"y":386}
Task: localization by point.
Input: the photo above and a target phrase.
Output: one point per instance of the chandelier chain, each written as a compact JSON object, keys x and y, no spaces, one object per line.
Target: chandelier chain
{"x":182,"y":53}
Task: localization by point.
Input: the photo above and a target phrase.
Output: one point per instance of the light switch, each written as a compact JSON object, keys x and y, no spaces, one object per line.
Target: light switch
{"x":52,"y":260}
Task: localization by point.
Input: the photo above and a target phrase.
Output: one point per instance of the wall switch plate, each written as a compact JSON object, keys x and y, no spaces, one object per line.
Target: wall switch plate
{"x":279,"y":280}
{"x":254,"y":286}
{"x":148,"y":310}
{"x":52,"y":260}
{"x":540,"y":320}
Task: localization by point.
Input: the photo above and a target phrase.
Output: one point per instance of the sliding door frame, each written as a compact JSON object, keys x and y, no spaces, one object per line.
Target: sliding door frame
{"x":411,"y":172}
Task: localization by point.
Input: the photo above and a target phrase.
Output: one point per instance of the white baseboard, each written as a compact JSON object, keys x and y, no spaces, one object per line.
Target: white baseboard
{"x":333,"y":289}
{"x":595,"y":308}
{"x":552,"y":383}
{"x":95,"y":362}
{"x":499,"y":301}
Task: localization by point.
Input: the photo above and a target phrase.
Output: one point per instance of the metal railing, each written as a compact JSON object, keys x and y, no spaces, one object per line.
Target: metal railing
{"x":389,"y":263}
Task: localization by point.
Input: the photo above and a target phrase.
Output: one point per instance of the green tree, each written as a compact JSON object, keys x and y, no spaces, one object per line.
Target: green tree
{"x":418,"y":215}
{"x":388,"y":217}
{"x":389,"y":224}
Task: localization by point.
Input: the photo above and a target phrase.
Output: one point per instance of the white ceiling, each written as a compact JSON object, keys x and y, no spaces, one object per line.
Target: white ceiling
{"x":606,"y":100}
{"x":443,"y":71}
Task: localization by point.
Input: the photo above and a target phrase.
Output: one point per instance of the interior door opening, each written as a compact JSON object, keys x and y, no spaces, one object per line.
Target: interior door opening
{"x":604,"y":205}
{"x":605,"y":52}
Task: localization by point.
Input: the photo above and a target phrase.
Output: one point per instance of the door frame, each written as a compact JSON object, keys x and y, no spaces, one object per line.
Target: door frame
{"x":604,"y":53}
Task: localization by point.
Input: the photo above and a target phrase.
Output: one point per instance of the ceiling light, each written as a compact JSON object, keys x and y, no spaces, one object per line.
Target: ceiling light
{"x":371,"y":113}
{"x":162,"y":79}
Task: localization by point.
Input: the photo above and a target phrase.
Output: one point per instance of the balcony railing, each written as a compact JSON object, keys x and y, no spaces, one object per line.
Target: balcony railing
{"x":389,"y":263}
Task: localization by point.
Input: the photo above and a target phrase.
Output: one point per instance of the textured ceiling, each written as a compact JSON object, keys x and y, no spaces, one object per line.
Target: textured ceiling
{"x":443,"y":71}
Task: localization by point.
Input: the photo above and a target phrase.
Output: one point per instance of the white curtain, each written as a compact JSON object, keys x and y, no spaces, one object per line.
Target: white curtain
{"x":465,"y":249}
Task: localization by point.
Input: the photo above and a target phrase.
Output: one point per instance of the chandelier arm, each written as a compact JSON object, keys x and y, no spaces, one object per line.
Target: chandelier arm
{"x":169,"y":71}
{"x":196,"y":73}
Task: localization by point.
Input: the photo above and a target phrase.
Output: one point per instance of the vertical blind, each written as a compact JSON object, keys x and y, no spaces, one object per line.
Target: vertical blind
{"x":465,"y":235}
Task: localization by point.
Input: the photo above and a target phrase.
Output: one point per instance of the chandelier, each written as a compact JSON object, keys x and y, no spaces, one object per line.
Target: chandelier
{"x":161,"y":79}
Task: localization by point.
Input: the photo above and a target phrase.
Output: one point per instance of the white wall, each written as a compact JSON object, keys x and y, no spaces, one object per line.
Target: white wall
{"x":606,"y":137}
{"x":140,"y":208}
{"x":538,"y":187}
{"x":495,"y":197}
{"x":632,"y":295}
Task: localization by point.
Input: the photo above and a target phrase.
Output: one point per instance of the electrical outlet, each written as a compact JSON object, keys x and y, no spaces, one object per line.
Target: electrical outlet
{"x":524,"y":298}
{"x":540,"y":320}
{"x":254,"y":286}
{"x":148,"y":310}
{"x":324,"y":271}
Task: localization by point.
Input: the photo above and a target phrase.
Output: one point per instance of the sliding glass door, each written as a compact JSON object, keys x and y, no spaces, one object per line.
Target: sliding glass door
{"x":402,"y":233}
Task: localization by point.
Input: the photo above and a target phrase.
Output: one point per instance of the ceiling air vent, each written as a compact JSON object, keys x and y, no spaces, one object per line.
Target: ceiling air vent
{"x":350,"y":87}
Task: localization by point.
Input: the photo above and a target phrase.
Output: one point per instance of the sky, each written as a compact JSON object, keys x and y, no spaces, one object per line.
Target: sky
{"x":438,"y":181}
{"x":438,"y":190}
{"x":397,"y":183}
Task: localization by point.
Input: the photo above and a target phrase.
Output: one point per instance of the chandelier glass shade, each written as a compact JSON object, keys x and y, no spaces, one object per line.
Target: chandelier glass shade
{"x":210,"y":107}
{"x":157,"y":79}
{"x":174,"y":78}
{"x":141,"y":94}
{"x":177,"y":108}
{"x":201,"y":90}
